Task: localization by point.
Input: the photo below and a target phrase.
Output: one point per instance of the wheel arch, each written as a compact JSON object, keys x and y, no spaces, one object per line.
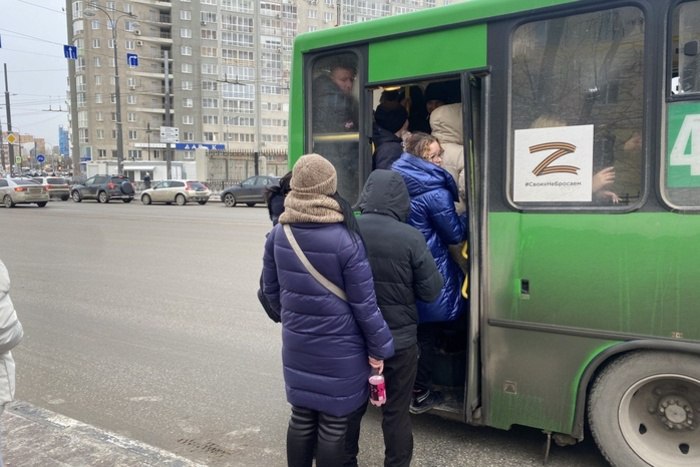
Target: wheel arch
{"x":611,"y":353}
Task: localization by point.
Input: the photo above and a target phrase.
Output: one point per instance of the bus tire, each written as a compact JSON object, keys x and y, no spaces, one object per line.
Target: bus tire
{"x":642,"y":409}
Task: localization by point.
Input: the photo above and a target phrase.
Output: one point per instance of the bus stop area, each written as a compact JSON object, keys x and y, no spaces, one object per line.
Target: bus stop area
{"x":33,"y":436}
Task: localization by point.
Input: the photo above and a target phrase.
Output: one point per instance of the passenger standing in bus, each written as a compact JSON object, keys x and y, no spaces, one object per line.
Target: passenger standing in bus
{"x":390,"y":123}
{"x":334,"y":108}
{"x":334,"y":115}
{"x":433,"y":193}
{"x":446,"y":122}
{"x":404,"y":271}
{"x":329,"y":342}
{"x":441,"y":93}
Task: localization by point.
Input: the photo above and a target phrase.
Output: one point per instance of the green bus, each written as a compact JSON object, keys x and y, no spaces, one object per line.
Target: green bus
{"x":584,"y":304}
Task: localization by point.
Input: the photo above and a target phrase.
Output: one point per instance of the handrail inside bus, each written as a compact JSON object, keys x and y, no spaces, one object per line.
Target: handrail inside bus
{"x":465,"y":255}
{"x":336,"y":137}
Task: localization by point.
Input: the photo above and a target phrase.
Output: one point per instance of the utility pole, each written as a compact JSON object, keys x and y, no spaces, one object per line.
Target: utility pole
{"x":2,"y":150}
{"x":11,"y":149}
{"x":258,"y":89}
{"x":148,"y":135}
{"x":168,"y":119}
{"x":75,"y":131}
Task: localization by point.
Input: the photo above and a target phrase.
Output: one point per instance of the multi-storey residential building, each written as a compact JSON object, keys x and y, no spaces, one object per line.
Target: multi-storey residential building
{"x":228,"y":69}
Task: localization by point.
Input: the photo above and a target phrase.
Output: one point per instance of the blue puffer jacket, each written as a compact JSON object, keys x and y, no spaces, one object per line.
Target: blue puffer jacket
{"x":433,"y":192}
{"x":325,"y":340}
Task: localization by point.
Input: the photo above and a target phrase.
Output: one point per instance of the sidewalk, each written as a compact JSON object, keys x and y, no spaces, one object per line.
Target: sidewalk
{"x":32,"y":436}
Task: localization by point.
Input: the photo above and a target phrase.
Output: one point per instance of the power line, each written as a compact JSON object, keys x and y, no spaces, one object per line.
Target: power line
{"x":42,"y":6}
{"x":29,"y":36}
{"x":34,"y":53}
{"x":35,"y":71}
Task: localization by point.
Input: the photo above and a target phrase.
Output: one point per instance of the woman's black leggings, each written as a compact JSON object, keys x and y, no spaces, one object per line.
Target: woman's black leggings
{"x":333,"y":441}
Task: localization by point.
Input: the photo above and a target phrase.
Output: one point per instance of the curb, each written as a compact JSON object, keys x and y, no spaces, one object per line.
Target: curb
{"x":36,"y":436}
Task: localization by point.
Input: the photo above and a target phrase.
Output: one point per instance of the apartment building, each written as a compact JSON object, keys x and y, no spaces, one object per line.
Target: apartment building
{"x":227,"y":70}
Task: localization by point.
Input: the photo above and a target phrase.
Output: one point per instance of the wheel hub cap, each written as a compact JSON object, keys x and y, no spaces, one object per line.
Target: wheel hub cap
{"x":676,"y":413}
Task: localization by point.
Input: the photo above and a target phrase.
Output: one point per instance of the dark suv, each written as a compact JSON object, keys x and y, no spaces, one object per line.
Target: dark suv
{"x":104,"y":188}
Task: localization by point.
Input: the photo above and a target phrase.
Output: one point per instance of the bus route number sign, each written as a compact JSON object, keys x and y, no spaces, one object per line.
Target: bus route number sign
{"x":683,"y":159}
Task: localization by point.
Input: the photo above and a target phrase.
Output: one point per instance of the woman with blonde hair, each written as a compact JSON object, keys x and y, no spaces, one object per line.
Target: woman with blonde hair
{"x":433,"y":193}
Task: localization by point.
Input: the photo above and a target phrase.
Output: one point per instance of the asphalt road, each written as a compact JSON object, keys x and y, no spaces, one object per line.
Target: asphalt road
{"x":143,"y":320}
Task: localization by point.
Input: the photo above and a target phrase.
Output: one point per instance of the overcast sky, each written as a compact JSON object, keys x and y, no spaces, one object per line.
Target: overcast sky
{"x":33,"y":33}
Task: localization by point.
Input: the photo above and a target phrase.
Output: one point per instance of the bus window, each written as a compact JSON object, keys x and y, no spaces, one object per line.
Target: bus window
{"x":577,"y":115}
{"x":681,"y":187}
{"x":334,"y":118}
{"x":686,"y":33}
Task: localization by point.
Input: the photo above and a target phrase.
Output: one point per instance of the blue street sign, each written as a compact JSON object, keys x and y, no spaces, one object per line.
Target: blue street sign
{"x":40,"y":158}
{"x":132,"y":60}
{"x":70,"y":52}
{"x":193,"y":146}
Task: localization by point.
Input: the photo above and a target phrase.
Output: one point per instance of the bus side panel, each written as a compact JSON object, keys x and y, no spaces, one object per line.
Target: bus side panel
{"x":533,"y":377}
{"x":628,"y":273}
{"x":591,"y":273}
{"x":418,"y":55}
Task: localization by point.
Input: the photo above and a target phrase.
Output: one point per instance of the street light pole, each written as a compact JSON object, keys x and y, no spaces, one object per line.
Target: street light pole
{"x":148,"y":135}
{"x":118,"y":99}
{"x":117,"y":88}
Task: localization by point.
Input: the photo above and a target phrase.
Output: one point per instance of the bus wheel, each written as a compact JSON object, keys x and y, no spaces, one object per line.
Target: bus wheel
{"x":642,"y":410}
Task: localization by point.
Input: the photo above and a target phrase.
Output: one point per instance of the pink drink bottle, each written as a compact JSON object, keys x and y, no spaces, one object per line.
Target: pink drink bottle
{"x":377,"y":390}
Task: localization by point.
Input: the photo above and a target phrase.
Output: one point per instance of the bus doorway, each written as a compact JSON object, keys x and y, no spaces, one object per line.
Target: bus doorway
{"x":451,"y":109}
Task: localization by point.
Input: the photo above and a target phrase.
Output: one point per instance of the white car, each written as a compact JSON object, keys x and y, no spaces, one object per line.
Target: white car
{"x":179,"y":192}
{"x":57,"y":187}
{"x":22,"y":191}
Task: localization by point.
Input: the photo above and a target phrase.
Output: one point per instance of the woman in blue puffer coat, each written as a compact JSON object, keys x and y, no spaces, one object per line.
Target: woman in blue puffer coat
{"x":329,"y":344}
{"x":433,"y":193}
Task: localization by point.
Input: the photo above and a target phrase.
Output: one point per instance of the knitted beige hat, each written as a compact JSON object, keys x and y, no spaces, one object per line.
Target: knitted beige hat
{"x":314,"y":182}
{"x":314,"y":174}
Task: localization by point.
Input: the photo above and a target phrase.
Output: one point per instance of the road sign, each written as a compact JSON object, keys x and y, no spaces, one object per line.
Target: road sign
{"x":11,"y":138}
{"x":193,"y":146}
{"x":18,"y":160}
{"x":40,"y":158}
{"x":132,"y":60}
{"x":169,"y":134}
{"x":70,"y":52}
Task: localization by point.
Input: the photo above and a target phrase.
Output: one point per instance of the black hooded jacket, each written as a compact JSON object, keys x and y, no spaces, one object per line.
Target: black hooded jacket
{"x":387,"y":148}
{"x":402,"y":266}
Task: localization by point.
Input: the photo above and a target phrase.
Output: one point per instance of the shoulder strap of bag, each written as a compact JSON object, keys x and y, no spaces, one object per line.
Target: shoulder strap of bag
{"x":337,"y":291}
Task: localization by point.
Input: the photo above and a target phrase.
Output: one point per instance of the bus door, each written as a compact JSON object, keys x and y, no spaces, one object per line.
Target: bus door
{"x":341,"y":100}
{"x":474,"y":89}
{"x":457,"y":356}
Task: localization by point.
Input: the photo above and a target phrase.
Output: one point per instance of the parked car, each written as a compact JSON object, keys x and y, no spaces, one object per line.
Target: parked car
{"x":22,"y":191}
{"x":250,"y":191}
{"x":57,"y":187}
{"x":104,"y":188}
{"x":176,"y":191}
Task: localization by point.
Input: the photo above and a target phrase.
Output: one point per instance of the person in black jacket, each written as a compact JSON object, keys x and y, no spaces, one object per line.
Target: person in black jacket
{"x":275,"y":195}
{"x":389,"y":124}
{"x":404,"y":271}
